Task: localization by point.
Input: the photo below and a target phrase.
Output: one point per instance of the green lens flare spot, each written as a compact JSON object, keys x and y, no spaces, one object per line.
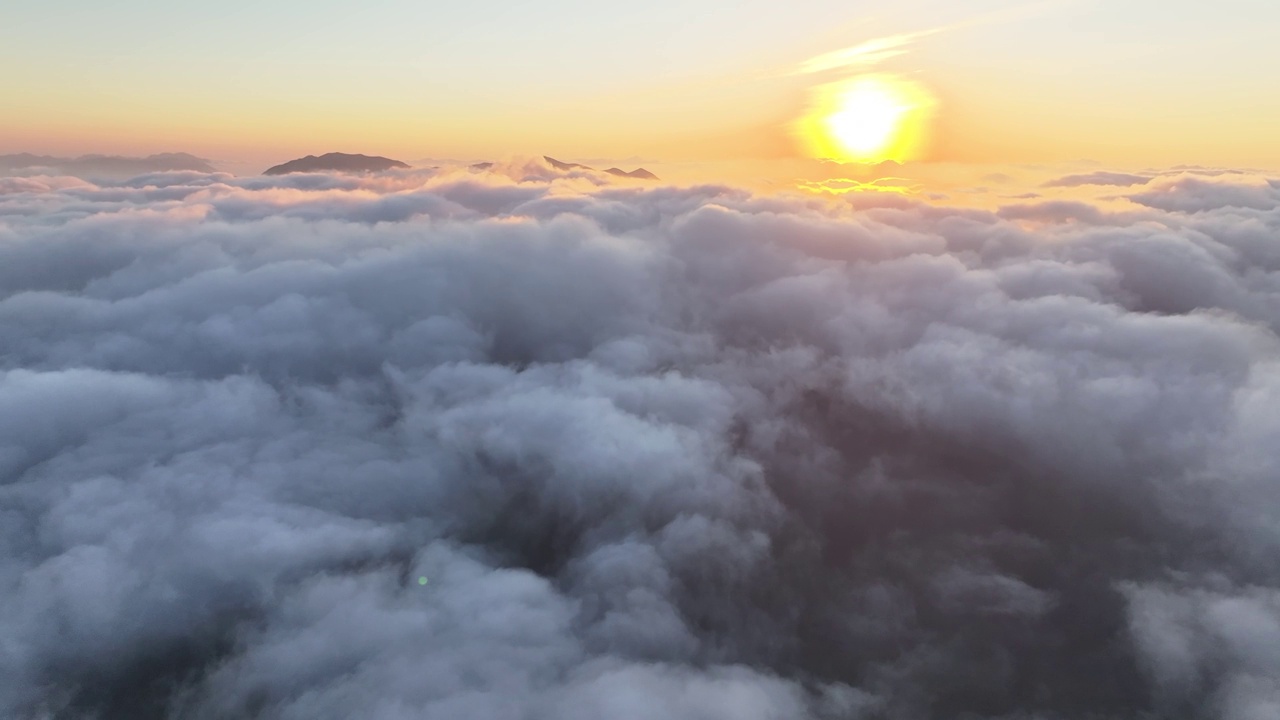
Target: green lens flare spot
{"x":422,"y":580}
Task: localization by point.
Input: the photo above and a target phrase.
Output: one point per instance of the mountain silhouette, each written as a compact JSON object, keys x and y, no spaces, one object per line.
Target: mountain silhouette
{"x":563,"y":165}
{"x":340,"y":162}
{"x":637,"y":174}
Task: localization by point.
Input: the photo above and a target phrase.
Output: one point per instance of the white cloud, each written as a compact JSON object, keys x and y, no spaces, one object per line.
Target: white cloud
{"x":870,"y":52}
{"x":662,"y":451}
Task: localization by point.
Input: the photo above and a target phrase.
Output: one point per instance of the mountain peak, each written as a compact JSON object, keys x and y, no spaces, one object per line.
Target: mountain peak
{"x":336,"y":161}
{"x":563,"y":165}
{"x":637,"y":174}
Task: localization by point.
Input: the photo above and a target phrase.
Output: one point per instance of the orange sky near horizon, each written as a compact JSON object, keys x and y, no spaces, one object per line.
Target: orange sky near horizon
{"x":1051,"y":81}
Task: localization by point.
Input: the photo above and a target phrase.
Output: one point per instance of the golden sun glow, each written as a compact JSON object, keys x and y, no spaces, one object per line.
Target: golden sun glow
{"x":869,"y":118}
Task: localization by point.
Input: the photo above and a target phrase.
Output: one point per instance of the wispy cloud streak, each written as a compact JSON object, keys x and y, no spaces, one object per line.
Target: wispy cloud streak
{"x":866,"y":53}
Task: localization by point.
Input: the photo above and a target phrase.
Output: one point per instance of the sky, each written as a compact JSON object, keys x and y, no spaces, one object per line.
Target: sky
{"x":1132,"y":84}
{"x":935,"y":376}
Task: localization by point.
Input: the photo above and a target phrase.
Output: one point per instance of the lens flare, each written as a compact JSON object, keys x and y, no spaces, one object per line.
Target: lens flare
{"x":869,"y":118}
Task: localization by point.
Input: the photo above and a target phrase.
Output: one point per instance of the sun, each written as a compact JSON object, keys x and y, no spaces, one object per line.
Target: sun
{"x":869,"y":118}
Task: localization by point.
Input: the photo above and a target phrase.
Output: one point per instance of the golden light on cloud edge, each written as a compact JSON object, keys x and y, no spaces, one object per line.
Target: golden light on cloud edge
{"x":867,"y":119}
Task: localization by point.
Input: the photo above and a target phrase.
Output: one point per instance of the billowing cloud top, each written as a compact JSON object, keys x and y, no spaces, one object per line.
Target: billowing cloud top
{"x":659,"y":452}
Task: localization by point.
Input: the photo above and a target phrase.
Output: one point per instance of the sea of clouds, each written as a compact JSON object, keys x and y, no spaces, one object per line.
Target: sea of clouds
{"x":661,"y":453}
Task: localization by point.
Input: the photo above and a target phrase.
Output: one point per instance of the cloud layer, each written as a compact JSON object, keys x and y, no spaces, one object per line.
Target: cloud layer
{"x":660,"y":452}
{"x":102,"y":166}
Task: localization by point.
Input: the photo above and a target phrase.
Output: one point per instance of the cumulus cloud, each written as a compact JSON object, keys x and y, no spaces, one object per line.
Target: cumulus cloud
{"x":1195,"y":193}
{"x":659,"y":452}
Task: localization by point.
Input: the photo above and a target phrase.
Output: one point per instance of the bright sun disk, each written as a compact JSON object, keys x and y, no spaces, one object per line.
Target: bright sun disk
{"x":866,"y":121}
{"x":869,"y":118}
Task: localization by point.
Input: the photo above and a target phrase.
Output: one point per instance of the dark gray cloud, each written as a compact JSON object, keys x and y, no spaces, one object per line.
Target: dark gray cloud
{"x":1099,"y":178}
{"x":659,"y":452}
{"x":1059,"y":211}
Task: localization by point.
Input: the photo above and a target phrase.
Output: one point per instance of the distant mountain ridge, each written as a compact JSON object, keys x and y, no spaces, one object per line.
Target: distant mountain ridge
{"x":107,"y":165}
{"x":564,"y":165}
{"x":637,"y":174}
{"x":335,"y":161}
